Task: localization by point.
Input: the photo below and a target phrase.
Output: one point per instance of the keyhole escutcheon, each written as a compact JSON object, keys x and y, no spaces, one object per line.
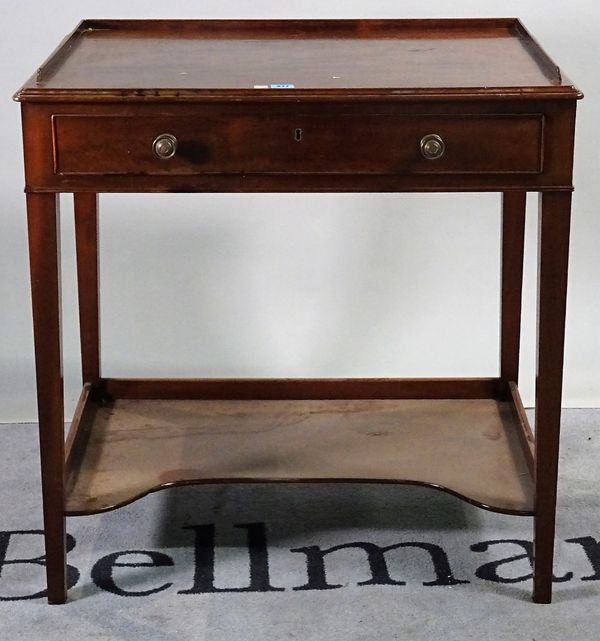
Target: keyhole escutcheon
{"x":298,"y":134}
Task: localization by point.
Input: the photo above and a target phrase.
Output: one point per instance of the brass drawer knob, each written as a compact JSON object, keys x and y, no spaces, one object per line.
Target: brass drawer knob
{"x":165,"y":146}
{"x":432,"y":147}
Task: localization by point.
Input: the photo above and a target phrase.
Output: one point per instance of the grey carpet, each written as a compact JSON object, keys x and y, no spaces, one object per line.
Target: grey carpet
{"x":183,"y":600}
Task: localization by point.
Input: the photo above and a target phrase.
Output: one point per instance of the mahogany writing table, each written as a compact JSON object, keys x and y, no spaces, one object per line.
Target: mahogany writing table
{"x":299,"y":106}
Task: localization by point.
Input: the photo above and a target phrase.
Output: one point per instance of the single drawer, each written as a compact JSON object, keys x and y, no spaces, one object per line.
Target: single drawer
{"x":298,"y":143}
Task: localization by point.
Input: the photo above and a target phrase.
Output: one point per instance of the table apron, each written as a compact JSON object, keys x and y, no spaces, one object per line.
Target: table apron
{"x":303,"y":147}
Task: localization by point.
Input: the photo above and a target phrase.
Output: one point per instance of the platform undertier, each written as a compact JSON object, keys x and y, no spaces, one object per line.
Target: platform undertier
{"x":470,"y":447}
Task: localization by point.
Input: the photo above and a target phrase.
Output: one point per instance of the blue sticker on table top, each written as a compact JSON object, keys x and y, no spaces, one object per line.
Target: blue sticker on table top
{"x":277,"y":85}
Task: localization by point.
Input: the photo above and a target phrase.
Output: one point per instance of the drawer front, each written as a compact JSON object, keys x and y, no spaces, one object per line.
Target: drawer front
{"x":298,"y":143}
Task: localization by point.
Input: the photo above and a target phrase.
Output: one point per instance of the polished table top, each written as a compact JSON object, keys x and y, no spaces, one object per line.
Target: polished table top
{"x":157,"y":59}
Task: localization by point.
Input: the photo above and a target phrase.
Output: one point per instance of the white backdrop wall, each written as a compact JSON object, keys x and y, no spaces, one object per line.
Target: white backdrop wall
{"x":299,"y":285}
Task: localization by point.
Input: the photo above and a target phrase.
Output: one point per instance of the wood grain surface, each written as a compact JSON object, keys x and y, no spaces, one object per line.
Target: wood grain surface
{"x":469,"y":447}
{"x":141,"y":59}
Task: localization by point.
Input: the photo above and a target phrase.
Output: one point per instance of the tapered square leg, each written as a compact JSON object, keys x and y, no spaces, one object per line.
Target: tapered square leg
{"x":554,"y":226}
{"x":44,"y":256}
{"x":86,"y":240}
{"x":513,"y":239}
